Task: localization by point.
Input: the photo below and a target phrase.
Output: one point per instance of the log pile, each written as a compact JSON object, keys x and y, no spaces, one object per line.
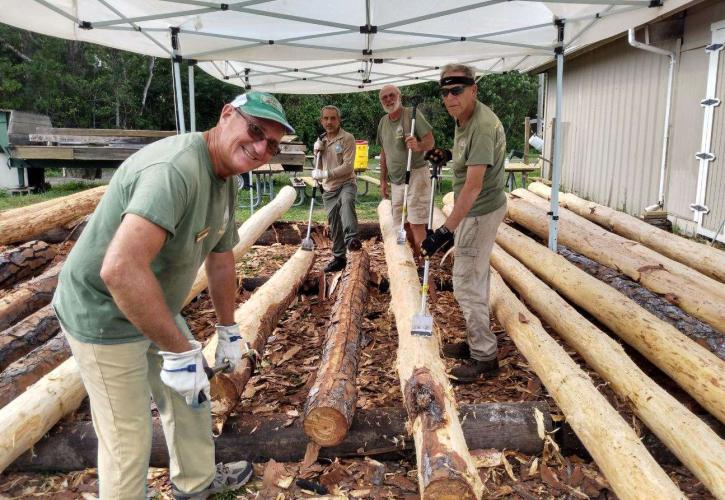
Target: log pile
{"x":28,"y":297}
{"x":24,"y":261}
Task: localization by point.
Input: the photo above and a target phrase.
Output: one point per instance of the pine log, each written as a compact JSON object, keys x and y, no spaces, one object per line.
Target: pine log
{"x":257,"y":318}
{"x":331,"y":402}
{"x":694,"y":443}
{"x":379,"y":431}
{"x":706,"y":259}
{"x":694,"y":368}
{"x":26,"y":335}
{"x":292,"y":233}
{"x":28,"y":297}
{"x":36,"y":207}
{"x":694,"y":292}
{"x":629,"y":468}
{"x":61,"y":391}
{"x":250,"y":231}
{"x":28,"y":417}
{"x":698,"y":331}
{"x":38,"y":220}
{"x":27,"y":370}
{"x":24,"y":261}
{"x":445,"y":467}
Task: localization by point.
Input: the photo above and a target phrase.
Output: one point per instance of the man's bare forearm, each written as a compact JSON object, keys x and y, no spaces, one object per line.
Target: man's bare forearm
{"x":220,"y":271}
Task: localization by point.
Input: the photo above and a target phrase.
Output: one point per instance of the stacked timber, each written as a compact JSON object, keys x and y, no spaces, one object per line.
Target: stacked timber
{"x":330,"y":405}
{"x":708,"y":260}
{"x":26,"y":335}
{"x":690,"y":439}
{"x":614,"y":446}
{"x":697,"y":294}
{"x":257,"y":319}
{"x":28,"y":297}
{"x":34,"y":221}
{"x":445,"y":467}
{"x":29,"y":416}
{"x":24,"y":261}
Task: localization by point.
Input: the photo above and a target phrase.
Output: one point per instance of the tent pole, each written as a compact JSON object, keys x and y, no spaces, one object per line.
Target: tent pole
{"x":192,"y":97}
{"x":177,"y":79}
{"x":556,"y":175}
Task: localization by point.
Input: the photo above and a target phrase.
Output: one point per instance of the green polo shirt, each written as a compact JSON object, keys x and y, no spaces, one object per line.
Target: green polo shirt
{"x":391,"y":137}
{"x":172,"y":184}
{"x":482,"y":141}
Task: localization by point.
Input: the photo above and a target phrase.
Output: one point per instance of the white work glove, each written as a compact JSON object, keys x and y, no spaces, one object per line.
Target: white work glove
{"x":184,"y":373}
{"x":229,"y":347}
{"x":318,"y":147}
{"x":319,"y":174}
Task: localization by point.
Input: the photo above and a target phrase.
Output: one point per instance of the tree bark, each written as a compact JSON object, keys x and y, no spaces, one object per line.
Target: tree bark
{"x":445,"y":467}
{"x":23,"y":262}
{"x":693,"y":442}
{"x":694,"y":368}
{"x":381,"y":431}
{"x":629,"y":468}
{"x":27,"y":370}
{"x":23,"y":337}
{"x":694,"y":292}
{"x":250,"y":231}
{"x":22,"y":226}
{"x":708,"y":260}
{"x":28,"y":297}
{"x":331,"y":402}
{"x":257,"y":318}
{"x":698,"y":331}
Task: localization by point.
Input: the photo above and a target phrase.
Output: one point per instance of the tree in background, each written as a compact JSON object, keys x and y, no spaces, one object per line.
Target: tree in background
{"x":91,"y":86}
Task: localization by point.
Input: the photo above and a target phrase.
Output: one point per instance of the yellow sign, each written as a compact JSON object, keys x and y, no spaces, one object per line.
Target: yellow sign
{"x":361,"y":156}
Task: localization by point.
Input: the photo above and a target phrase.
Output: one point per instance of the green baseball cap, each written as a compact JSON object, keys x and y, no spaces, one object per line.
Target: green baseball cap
{"x":262,"y":105}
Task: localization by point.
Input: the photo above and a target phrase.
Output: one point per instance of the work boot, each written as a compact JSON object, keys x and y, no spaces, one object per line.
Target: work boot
{"x":354,"y":245}
{"x":472,"y":369}
{"x":457,"y":350}
{"x":336,"y":264}
{"x":229,"y":476}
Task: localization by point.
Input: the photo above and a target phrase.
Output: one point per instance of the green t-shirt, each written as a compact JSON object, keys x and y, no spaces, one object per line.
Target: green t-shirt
{"x":170,"y":183}
{"x":391,"y":137}
{"x":482,"y":141}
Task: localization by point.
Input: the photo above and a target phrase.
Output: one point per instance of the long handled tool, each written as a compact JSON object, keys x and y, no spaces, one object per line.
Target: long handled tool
{"x":402,"y":236}
{"x":307,"y":243}
{"x":422,"y":321}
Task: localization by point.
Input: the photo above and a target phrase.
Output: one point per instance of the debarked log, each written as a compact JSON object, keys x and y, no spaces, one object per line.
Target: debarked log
{"x":24,"y":261}
{"x":694,"y":292}
{"x":689,"y":438}
{"x":27,"y":370}
{"x":28,"y":297}
{"x":257,"y":318}
{"x":26,"y":335}
{"x":380,"y":431}
{"x":704,"y":258}
{"x":614,"y":446}
{"x":331,"y":402}
{"x":445,"y":467}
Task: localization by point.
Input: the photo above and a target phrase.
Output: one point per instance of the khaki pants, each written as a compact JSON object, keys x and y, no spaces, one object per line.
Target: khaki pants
{"x":418,"y":197}
{"x":474,"y":240}
{"x":341,"y":216}
{"x":120,"y":379}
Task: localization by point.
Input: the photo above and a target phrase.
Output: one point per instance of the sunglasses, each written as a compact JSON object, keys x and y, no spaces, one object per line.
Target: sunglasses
{"x":454,"y":90}
{"x":257,"y":134}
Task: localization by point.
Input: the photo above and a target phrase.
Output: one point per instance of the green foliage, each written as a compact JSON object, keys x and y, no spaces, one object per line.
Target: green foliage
{"x":86,"y":85}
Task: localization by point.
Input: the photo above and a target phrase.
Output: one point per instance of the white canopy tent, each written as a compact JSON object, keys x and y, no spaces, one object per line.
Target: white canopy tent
{"x":326,"y":46}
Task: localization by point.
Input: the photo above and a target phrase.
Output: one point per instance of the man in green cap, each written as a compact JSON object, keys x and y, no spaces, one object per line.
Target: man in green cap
{"x":479,"y":151}
{"x":168,"y":209}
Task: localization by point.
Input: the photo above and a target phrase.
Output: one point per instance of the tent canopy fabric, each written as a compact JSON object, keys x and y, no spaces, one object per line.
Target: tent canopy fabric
{"x":325,"y":46}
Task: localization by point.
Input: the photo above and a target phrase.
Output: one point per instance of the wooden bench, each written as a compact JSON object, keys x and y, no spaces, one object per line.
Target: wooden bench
{"x":524,"y":168}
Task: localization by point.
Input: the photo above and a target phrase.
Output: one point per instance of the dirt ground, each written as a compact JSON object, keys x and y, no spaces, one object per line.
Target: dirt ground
{"x":287,"y":372}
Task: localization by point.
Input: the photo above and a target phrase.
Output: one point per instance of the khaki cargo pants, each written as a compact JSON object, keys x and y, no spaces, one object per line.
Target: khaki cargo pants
{"x":341,"y":216}
{"x":418,"y":197}
{"x":474,"y":240}
{"x":120,"y":380}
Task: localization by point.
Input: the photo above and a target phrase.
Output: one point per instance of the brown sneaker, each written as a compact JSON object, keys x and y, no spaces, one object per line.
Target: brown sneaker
{"x":457,"y":350}
{"x":472,"y":370}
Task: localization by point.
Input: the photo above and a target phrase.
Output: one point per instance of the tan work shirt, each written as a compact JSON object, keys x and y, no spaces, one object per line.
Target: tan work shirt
{"x":338,"y":157}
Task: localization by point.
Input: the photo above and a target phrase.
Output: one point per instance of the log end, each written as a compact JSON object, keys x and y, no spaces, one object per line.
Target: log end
{"x":326,"y":426}
{"x":449,"y":489}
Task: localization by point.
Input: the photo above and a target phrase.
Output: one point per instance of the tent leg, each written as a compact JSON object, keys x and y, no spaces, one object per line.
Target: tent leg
{"x":192,"y":103}
{"x":556,"y":175}
{"x":179,"y":99}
